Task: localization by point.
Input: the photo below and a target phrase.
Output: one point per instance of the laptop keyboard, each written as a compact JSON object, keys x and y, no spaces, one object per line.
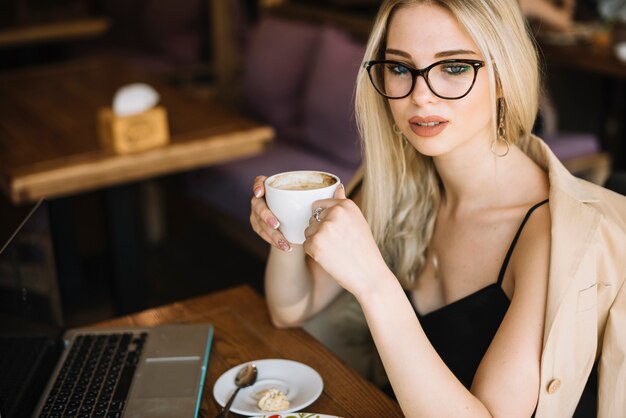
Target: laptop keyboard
{"x":95,"y":377}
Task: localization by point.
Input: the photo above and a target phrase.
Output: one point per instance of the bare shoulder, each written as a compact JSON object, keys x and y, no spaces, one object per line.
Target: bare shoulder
{"x":531,"y":259}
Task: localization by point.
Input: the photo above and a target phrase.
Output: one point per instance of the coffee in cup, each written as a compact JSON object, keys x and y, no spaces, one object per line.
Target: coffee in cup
{"x":290,"y":196}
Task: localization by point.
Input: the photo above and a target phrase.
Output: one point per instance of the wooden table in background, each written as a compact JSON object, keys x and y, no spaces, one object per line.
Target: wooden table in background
{"x":49,"y":148}
{"x":599,"y":59}
{"x":54,"y":31}
{"x":48,"y":132}
{"x":243,"y":332}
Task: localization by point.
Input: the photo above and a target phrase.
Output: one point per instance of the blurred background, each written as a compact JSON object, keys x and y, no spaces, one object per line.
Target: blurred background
{"x":288,"y":65}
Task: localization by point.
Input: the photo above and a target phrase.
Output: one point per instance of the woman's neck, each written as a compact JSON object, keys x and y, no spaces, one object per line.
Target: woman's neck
{"x":475,"y":178}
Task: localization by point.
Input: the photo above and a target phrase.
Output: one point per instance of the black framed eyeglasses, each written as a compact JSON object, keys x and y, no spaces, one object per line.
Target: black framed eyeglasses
{"x":448,"y":79}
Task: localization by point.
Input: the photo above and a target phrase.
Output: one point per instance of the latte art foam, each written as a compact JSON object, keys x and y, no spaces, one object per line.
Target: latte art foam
{"x":302,"y":182}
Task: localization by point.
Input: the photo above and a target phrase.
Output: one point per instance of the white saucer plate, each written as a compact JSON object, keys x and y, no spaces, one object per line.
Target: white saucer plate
{"x":301,"y":383}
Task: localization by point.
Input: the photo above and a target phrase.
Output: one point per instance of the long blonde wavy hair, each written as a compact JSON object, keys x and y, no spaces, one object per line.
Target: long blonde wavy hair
{"x":401,"y":188}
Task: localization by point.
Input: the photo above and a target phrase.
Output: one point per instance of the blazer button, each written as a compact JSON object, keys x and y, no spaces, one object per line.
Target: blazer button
{"x":554,"y":386}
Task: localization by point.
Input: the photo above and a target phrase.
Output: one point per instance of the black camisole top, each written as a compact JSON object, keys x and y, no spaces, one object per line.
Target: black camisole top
{"x":462,"y":330}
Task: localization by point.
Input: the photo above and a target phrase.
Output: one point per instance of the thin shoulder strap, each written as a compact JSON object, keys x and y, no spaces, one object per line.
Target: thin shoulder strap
{"x":505,"y":263}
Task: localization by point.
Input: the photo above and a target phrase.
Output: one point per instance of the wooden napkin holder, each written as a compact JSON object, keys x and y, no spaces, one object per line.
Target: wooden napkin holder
{"x":134,"y":133}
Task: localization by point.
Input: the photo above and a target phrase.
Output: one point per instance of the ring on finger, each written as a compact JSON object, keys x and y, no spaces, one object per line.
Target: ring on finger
{"x":316,"y":214}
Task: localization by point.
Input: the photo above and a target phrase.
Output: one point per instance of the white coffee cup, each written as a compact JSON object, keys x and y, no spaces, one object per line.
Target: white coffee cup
{"x":290,"y":196}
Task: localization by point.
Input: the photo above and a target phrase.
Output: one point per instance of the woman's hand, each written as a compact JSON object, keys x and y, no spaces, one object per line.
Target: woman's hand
{"x":263,"y":221}
{"x":342,"y":243}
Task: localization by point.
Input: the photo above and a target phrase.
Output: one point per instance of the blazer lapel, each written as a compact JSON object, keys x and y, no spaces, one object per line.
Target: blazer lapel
{"x":569,"y":241}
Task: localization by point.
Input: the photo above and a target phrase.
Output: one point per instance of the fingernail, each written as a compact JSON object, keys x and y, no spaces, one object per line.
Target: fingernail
{"x":284,"y":245}
{"x":273,"y":222}
{"x":257,"y":192}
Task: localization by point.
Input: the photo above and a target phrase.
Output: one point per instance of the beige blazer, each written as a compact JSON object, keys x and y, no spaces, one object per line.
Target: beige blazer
{"x":586,"y":303}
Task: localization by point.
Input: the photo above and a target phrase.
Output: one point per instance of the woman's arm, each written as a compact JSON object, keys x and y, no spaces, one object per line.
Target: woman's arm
{"x":507,"y":382}
{"x":296,"y":287}
{"x":511,"y":367}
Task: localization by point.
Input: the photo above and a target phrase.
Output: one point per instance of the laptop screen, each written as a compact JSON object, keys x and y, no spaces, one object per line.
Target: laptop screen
{"x":29,"y":295}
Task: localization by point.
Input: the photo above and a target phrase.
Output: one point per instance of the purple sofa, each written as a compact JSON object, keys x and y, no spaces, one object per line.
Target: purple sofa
{"x":300,"y":79}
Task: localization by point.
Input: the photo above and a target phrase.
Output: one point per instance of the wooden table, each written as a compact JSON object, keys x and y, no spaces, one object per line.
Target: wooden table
{"x":54,"y":31}
{"x":48,"y":132}
{"x":243,"y":332}
{"x":49,"y":148}
{"x":599,"y":59}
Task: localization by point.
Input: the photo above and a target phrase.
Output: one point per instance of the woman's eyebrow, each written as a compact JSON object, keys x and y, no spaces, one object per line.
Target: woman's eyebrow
{"x":453,"y":52}
{"x":442,"y":54}
{"x":397,"y":52}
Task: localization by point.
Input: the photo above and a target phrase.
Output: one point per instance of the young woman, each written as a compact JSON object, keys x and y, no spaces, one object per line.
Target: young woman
{"x":490,"y":278}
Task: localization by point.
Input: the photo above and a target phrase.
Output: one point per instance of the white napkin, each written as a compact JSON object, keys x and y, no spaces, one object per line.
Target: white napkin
{"x":134,"y":98}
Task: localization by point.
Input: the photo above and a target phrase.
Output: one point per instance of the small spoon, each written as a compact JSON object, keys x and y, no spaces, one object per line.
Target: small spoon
{"x":246,"y":376}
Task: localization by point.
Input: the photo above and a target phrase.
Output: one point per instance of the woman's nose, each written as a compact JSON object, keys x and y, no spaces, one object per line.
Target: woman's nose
{"x":421,"y":91}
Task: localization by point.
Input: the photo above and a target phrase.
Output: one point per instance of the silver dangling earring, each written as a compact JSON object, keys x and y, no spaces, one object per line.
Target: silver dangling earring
{"x":501,"y":132}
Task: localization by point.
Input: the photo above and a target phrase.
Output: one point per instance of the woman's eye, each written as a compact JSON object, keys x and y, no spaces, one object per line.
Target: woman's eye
{"x":455,"y":69}
{"x":398,"y":69}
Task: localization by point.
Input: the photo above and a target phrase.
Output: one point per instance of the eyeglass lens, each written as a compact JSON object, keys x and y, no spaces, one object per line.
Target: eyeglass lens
{"x":447,"y":80}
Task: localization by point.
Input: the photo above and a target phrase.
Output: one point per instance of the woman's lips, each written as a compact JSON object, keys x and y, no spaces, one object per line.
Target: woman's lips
{"x":427,"y":126}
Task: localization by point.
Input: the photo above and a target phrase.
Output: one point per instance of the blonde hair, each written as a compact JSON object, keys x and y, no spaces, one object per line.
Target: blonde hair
{"x":401,"y":187}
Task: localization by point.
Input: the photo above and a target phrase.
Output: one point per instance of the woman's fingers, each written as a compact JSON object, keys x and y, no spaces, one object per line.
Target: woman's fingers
{"x":260,"y":209}
{"x":258,"y":188}
{"x":320,"y":211}
{"x":338,"y":197}
{"x":329,"y":209}
{"x":275,"y":238}
{"x":313,"y":227}
{"x":270,"y":235}
{"x":340,"y":193}
{"x":321,"y":206}
{"x":264,"y":223}
{"x":259,"y":206}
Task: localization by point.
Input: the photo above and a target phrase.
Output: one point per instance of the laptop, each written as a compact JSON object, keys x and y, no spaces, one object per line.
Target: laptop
{"x":46,"y":371}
